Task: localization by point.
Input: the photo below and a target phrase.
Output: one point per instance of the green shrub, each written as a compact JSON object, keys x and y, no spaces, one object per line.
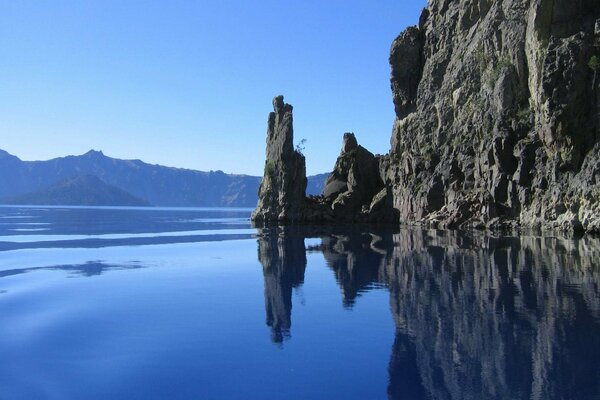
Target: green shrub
{"x":594,"y":63}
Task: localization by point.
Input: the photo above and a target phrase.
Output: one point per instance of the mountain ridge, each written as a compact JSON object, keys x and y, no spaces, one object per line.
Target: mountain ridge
{"x":157,"y":184}
{"x":80,"y":190}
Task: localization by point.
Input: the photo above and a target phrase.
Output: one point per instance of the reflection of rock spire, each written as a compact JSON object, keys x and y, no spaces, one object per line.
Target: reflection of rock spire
{"x":282,"y":254}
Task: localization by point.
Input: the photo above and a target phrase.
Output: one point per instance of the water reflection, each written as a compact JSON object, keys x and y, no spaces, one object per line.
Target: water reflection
{"x":88,"y":269}
{"x":26,"y":228}
{"x":476,"y":316}
{"x":282,"y":254}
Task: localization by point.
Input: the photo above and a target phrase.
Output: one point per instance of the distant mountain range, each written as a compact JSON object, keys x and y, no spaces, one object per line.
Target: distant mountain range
{"x":82,"y":190}
{"x":72,"y":179}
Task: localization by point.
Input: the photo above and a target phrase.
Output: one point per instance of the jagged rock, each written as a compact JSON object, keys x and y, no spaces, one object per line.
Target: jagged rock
{"x":348,"y":192}
{"x":499,"y":128}
{"x":282,"y":191}
{"x":407,"y":67}
{"x":354,"y":181}
{"x":497,"y":125}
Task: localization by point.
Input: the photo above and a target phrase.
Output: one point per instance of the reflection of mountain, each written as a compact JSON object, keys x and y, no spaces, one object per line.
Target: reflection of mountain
{"x":283,"y":257}
{"x":88,"y":269}
{"x":476,"y":316}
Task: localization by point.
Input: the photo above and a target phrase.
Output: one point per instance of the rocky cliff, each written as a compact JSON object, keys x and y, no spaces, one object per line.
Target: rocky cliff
{"x":497,"y":115}
{"x":497,"y":106}
{"x":354,"y":191}
{"x":281,"y":195}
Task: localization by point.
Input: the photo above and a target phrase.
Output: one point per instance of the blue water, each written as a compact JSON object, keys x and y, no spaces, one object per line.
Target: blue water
{"x":148,"y":303}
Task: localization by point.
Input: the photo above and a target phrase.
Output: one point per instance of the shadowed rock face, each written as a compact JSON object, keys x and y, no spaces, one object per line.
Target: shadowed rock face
{"x":476,"y":316}
{"x":282,"y":191}
{"x":497,"y":115}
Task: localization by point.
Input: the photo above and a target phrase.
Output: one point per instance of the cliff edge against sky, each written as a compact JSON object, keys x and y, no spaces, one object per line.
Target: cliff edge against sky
{"x":497,"y":107}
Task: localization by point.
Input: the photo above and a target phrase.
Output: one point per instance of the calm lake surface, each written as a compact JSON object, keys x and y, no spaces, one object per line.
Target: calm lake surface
{"x":109,"y":303}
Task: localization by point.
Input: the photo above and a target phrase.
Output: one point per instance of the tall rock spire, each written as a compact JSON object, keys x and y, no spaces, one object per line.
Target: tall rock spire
{"x":281,"y":196}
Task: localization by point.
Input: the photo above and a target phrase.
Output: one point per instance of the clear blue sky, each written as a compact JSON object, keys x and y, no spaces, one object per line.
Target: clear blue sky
{"x":189,"y":83}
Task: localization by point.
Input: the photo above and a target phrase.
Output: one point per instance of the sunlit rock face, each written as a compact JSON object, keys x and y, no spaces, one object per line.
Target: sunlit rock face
{"x":497,"y":124}
{"x":476,"y":316}
{"x":282,"y":191}
{"x":353,"y":192}
{"x":497,"y":106}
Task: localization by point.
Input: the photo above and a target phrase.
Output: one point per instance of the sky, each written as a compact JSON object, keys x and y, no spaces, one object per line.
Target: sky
{"x":189,"y":83}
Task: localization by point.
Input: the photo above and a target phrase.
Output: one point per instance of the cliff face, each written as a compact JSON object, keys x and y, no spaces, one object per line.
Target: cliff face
{"x":497,"y":125}
{"x":497,"y":106}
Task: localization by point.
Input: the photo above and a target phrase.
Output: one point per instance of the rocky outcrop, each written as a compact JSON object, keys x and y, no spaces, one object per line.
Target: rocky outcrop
{"x":497,"y":115}
{"x":497,"y":122}
{"x":281,"y":195}
{"x":355,"y":180}
{"x":354,"y":191}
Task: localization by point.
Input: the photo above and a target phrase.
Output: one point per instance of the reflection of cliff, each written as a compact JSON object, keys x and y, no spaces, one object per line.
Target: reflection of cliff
{"x":498,"y":318}
{"x":282,"y":254}
{"x":476,"y":316}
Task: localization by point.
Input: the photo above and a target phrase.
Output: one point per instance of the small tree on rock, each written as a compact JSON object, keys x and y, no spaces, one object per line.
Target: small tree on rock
{"x":301,"y":146}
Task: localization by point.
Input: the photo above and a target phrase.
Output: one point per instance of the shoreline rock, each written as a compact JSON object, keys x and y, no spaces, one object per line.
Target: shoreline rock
{"x":497,"y":126}
{"x":353,"y":192}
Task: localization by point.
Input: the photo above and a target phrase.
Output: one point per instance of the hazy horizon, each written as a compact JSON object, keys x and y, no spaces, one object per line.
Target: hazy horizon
{"x":189,"y":85}
{"x":133,"y":158}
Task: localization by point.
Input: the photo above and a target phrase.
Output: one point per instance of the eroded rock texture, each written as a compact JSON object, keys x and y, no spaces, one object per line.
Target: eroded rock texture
{"x":282,"y":191}
{"x":354,"y":191}
{"x":497,"y":115}
{"x":497,"y":124}
{"x":354,"y":181}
